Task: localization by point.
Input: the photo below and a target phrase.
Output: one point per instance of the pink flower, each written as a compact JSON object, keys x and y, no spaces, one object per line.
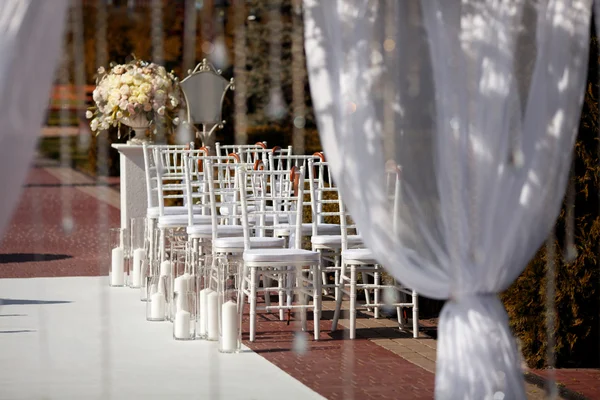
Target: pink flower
{"x":131,"y":109}
{"x":147,"y":107}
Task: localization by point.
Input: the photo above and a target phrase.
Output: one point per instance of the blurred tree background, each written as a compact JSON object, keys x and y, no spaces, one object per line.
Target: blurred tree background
{"x":129,"y":32}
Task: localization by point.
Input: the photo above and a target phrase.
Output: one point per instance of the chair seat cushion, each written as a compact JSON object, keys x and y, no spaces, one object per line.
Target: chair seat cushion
{"x":154,"y":212}
{"x":222,"y":230}
{"x":335,"y":241}
{"x":280,"y":255}
{"x":255,"y":243}
{"x":358,"y":256}
{"x":182,"y":220}
{"x":322,"y":229}
{"x":225,"y":210}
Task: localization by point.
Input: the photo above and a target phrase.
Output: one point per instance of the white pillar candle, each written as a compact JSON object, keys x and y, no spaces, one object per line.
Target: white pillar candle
{"x":138,"y":259}
{"x":189,"y":280}
{"x":229,"y":327}
{"x":182,"y":325}
{"x":117,"y":272}
{"x":165,"y":268}
{"x":157,"y":306}
{"x":203,"y":310}
{"x":181,"y":284}
{"x":212,"y":316}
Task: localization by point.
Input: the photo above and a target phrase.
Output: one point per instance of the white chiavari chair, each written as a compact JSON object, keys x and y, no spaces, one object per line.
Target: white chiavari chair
{"x":361,"y":260}
{"x":295,"y":270}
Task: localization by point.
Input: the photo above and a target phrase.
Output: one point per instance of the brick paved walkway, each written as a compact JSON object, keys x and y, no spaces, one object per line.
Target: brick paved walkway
{"x":381,"y":363}
{"x":44,"y":239}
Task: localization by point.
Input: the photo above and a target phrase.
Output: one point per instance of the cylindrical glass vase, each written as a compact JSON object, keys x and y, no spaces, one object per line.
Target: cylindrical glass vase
{"x":156,"y":302}
{"x":138,"y":252}
{"x":182,"y":279}
{"x":117,"y":272}
{"x":206,"y":281}
{"x":184,"y":319}
{"x":229,"y":315}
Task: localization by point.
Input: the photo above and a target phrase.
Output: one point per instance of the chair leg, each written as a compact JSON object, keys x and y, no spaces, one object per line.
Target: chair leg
{"x":365,"y":281}
{"x":322,"y":269}
{"x":400,"y":318}
{"x":303,"y":299}
{"x":338,"y":303}
{"x":337,"y":277}
{"x":253,"y":273}
{"x":280,"y":290}
{"x":377,"y":279}
{"x":266,"y":284}
{"x":317,"y":293}
{"x":353,"y":302}
{"x":415,"y":312}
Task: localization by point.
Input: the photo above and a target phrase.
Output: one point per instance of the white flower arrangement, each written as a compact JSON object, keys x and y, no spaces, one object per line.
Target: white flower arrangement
{"x":133,"y":90}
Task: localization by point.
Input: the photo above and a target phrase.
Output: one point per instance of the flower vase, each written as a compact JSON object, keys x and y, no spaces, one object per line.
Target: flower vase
{"x":139,"y":124}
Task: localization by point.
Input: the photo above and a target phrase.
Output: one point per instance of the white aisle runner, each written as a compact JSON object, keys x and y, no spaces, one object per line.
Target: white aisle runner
{"x":76,"y":338}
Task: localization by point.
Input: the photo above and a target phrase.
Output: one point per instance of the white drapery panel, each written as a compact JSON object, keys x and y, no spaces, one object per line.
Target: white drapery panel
{"x":478,"y":102}
{"x":30,"y":44}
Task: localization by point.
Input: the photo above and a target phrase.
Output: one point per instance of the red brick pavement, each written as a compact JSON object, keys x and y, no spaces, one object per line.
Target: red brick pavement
{"x":338,"y":368}
{"x":584,"y":381}
{"x":35,"y":244}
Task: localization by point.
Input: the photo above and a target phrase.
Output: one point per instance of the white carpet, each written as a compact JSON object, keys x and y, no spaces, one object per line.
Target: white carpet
{"x":98,"y":345}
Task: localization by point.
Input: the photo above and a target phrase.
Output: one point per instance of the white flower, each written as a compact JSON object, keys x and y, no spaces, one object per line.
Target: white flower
{"x":120,"y":114}
{"x":94,"y":125}
{"x":145,"y":87}
{"x":127,"y":79}
{"x":176,"y":121}
{"x":89,"y":114}
{"x":147,"y":107}
{"x":119,"y":69}
{"x":161,"y":110}
{"x":143,"y":99}
{"x":174,"y":102}
{"x":123,"y":105}
{"x":101,"y":70}
{"x":125,"y":90}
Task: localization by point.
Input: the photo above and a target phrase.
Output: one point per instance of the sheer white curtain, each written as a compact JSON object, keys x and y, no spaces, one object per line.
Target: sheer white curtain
{"x":30,"y":44}
{"x":478,"y":101}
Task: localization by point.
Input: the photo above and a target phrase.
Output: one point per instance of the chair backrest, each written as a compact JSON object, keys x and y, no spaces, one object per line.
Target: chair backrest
{"x":285,"y":202}
{"x":170,"y":174}
{"x":247,"y":152}
{"x":223,"y":191}
{"x":150,"y":169}
{"x":322,"y":192}
{"x":200,"y":178}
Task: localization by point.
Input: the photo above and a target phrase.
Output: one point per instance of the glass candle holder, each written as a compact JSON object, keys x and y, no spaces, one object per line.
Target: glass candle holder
{"x":229,"y":306}
{"x":117,"y":273}
{"x":181,"y":276}
{"x":156,"y":303}
{"x":151,"y":269}
{"x":206,"y":281}
{"x":184,"y":319}
{"x":138,"y":251}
